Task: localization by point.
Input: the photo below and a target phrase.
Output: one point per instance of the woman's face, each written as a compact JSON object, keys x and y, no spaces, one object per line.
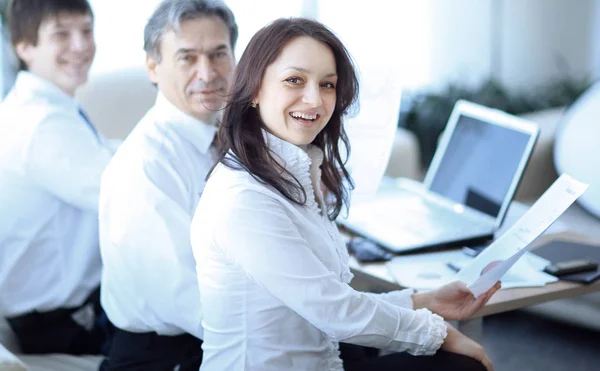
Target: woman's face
{"x":298,"y":92}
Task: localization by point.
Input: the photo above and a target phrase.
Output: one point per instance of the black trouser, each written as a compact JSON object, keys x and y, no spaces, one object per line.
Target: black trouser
{"x":357,"y":358}
{"x":58,"y":332}
{"x":152,"y":352}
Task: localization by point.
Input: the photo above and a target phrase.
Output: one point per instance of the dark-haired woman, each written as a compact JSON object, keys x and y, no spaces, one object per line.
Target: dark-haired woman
{"x":272,"y":269}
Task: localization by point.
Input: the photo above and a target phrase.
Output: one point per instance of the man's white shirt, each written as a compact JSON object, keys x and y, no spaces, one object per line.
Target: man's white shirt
{"x":149,"y":194}
{"x":51,"y":161}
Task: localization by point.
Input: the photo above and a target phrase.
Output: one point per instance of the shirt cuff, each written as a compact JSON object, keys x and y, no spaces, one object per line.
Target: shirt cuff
{"x":435,"y":335}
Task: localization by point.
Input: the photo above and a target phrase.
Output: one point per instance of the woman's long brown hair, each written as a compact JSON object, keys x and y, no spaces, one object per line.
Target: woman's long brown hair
{"x":240,"y":134}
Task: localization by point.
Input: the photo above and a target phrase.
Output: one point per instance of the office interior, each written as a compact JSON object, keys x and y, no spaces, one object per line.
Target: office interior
{"x":536,"y":59}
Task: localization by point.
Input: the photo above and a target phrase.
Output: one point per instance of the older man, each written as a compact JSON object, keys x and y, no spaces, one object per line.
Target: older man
{"x":152,"y":186}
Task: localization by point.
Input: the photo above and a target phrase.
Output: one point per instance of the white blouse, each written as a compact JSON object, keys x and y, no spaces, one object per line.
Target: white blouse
{"x":273,"y":279}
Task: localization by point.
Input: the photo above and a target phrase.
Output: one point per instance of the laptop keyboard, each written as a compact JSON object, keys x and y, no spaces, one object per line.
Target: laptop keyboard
{"x":420,"y":218}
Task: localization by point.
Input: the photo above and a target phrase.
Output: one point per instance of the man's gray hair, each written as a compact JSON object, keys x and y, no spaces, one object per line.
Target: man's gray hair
{"x":171,"y":13}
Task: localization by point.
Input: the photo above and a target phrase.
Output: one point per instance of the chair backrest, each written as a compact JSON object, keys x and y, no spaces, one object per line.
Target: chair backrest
{"x":117,"y":100}
{"x":577,"y":146}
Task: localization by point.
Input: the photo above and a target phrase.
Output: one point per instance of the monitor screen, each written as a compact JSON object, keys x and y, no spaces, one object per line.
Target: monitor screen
{"x":479,"y":164}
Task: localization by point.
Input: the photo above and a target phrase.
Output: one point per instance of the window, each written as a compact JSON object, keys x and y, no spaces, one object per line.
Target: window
{"x":390,"y":41}
{"x":119,"y":28}
{"x":119,"y":32}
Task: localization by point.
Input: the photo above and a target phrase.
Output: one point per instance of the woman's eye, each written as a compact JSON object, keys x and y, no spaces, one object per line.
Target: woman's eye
{"x":294,"y":80}
{"x":328,"y":85}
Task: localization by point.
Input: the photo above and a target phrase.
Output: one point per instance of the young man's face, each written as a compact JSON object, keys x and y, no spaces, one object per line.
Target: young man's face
{"x":196,"y":67}
{"x":64,"y":51}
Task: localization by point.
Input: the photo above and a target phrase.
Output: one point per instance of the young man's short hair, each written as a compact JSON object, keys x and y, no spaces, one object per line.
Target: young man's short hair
{"x":26,"y":16}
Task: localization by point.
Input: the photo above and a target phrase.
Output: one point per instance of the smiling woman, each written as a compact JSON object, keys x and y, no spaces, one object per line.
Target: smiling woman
{"x":273,"y":271}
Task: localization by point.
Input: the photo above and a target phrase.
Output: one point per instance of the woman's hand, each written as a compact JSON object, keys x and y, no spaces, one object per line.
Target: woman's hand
{"x":453,"y":301}
{"x":458,"y":343}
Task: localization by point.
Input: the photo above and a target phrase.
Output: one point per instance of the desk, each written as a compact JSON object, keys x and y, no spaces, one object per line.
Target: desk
{"x":375,"y":277}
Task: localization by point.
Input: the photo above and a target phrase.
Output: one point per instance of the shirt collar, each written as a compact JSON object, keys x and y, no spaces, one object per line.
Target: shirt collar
{"x":197,"y":132}
{"x":299,"y":161}
{"x":31,"y":84}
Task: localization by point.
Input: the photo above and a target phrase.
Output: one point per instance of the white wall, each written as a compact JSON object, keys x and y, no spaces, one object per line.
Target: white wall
{"x":543,"y":39}
{"x":119,"y":31}
{"x":389,"y":40}
{"x":119,"y":27}
{"x":523,"y":43}
{"x":461,"y":34}
{"x":252,"y":15}
{"x":538,"y":40}
{"x":407,"y":42}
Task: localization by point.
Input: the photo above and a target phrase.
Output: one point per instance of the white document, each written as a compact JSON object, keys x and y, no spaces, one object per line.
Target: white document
{"x":507,"y":249}
{"x":371,"y":134}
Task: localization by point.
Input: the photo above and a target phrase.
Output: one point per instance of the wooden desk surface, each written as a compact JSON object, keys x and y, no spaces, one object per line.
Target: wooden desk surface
{"x":505,"y":300}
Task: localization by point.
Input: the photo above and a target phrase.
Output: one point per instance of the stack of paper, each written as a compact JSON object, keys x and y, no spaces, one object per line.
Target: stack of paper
{"x":430,"y":271}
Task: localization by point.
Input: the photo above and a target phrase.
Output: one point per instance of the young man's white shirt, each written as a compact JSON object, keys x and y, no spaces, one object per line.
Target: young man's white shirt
{"x":273,"y":278}
{"x":149,"y":193}
{"x":51,"y":161}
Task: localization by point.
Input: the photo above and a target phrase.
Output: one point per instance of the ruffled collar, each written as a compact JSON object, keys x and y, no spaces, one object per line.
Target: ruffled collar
{"x":304,"y":164}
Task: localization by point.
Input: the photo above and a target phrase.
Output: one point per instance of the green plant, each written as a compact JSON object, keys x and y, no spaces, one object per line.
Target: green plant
{"x":428,"y":111}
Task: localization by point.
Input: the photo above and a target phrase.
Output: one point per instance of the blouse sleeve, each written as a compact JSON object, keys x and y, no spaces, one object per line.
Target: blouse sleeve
{"x":258,"y":234}
{"x":401,"y":298}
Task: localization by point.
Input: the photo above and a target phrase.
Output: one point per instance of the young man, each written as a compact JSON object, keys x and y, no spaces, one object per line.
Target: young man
{"x":51,"y":161}
{"x":152,"y":186}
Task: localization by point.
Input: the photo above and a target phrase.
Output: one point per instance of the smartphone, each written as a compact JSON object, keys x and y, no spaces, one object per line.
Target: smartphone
{"x":570,"y":267}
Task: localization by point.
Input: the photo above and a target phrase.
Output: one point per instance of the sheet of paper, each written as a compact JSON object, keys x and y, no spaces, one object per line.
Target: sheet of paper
{"x":507,"y":249}
{"x":371,"y":133}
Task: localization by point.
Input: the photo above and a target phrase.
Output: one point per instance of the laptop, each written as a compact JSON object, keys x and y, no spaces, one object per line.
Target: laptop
{"x":474,"y":174}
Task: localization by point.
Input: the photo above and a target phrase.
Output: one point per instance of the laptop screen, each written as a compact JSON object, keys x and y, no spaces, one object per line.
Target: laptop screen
{"x":479,"y":164}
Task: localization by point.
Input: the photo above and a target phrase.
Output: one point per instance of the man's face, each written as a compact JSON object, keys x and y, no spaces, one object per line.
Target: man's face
{"x":64,"y":51}
{"x":196,"y":67}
